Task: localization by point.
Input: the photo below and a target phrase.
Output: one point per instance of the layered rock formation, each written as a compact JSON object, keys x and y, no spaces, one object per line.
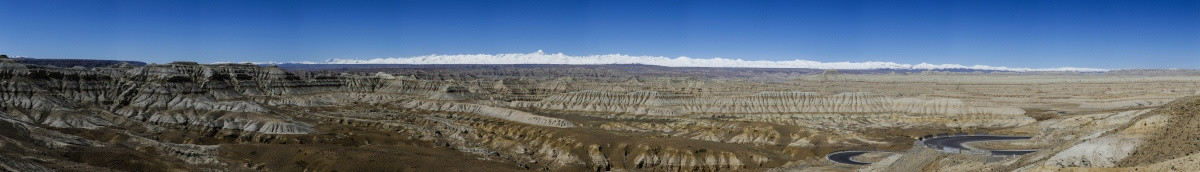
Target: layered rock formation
{"x":208,"y":96}
{"x":231,"y":117}
{"x":495,"y":112}
{"x":665,"y":104}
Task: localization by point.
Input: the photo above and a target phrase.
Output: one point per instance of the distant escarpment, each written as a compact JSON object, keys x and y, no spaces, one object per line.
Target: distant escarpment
{"x":67,"y":63}
{"x":666,"y":104}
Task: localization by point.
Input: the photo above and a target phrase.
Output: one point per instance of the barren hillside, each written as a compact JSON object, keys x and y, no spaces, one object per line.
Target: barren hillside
{"x":229,"y":117}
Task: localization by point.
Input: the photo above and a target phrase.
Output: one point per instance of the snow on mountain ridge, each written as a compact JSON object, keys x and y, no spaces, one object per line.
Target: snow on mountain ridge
{"x":540,"y":57}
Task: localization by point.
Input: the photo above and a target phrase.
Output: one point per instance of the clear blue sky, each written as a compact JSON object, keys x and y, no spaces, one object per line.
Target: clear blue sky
{"x":1100,"y":34}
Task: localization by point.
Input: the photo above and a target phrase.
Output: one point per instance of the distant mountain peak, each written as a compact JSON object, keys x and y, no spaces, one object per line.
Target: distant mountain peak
{"x":540,"y":57}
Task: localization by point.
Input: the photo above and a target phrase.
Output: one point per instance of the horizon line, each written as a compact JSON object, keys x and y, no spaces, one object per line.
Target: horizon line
{"x":540,"y":57}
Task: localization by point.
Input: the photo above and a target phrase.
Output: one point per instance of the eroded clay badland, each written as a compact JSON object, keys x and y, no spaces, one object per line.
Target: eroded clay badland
{"x":195,"y":117}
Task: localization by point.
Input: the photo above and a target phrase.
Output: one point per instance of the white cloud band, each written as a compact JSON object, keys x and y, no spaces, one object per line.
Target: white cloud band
{"x":541,"y":57}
